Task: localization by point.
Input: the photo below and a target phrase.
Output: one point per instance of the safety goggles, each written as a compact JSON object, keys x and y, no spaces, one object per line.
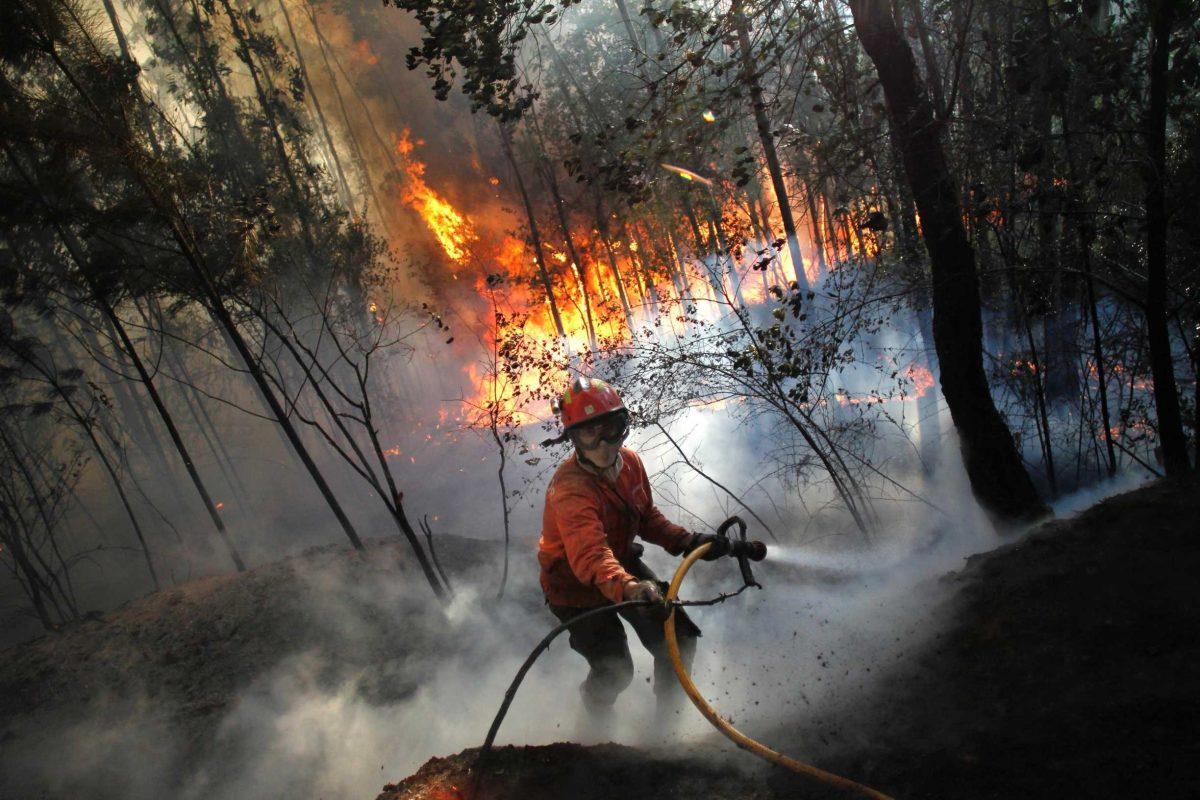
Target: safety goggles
{"x":611,"y":429}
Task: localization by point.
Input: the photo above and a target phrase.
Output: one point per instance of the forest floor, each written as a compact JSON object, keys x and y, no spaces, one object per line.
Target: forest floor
{"x":142,"y":698}
{"x":1065,"y":667}
{"x":1068,"y":669}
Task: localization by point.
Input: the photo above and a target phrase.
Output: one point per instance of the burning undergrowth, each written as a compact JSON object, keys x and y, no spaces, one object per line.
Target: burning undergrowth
{"x":599,"y":772}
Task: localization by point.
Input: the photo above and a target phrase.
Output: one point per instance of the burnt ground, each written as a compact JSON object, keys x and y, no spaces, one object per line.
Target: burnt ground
{"x":1066,"y":669}
{"x":128,"y":704}
{"x":1069,"y":669}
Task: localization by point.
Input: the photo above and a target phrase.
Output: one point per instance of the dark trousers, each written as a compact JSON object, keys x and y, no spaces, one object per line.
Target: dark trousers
{"x":602,"y":641}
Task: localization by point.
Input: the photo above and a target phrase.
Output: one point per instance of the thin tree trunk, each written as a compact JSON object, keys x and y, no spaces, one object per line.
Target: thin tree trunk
{"x":33,"y":583}
{"x":299,"y":198}
{"x":392,"y":498}
{"x":67,"y":592}
{"x":316,"y":101}
{"x":538,"y":256}
{"x":928,"y":409}
{"x":932,"y":73}
{"x":77,"y":255}
{"x":1085,"y":249}
{"x":572,"y":253}
{"x":84,"y":423}
{"x":767,"y":140}
{"x":602,"y":228}
{"x":503,"y":504}
{"x":634,"y":44}
{"x":702,"y":250}
{"x":642,"y":258}
{"x":814,"y":217}
{"x":351,"y":136}
{"x":173,"y":432}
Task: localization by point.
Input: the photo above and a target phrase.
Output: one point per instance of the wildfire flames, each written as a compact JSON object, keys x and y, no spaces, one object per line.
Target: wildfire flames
{"x":922,"y":380}
{"x":451,"y":229}
{"x":599,"y":288}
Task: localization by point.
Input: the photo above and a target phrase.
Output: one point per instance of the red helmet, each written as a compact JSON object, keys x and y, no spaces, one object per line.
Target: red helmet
{"x":586,"y":399}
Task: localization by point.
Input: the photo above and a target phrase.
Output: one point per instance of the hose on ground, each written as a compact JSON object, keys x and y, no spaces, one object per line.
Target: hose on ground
{"x":689,"y":687}
{"x":740,"y":739}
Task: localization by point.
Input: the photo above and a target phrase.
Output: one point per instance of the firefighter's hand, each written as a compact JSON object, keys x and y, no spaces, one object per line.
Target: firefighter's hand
{"x":642,"y":590}
{"x":720,"y":545}
{"x":657,"y":611}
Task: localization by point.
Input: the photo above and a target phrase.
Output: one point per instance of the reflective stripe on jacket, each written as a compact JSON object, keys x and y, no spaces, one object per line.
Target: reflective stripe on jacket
{"x":588,"y":526}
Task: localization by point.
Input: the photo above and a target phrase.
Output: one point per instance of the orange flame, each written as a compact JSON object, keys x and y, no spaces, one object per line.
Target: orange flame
{"x":922,"y":380}
{"x":362,"y":53}
{"x":453,"y":231}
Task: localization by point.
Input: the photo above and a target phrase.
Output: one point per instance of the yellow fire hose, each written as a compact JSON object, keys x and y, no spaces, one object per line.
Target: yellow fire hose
{"x":744,"y":552}
{"x":740,"y":739}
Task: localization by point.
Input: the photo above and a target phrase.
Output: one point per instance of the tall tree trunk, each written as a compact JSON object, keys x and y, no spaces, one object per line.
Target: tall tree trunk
{"x":642,"y":257}
{"x":1162,"y":368}
{"x":221,"y":315}
{"x":814,"y":218}
{"x":538,"y":256}
{"x":351,"y":134}
{"x":27,"y":575}
{"x":932,"y":73}
{"x":767,"y":139}
{"x":66,"y":592}
{"x":634,"y":44}
{"x":76,"y":252}
{"x":392,"y":497}
{"x":82,"y":420}
{"x":701,"y":249}
{"x":316,"y":101}
{"x":173,"y":432}
{"x":998,"y":478}
{"x":1098,"y":349}
{"x":299,"y":197}
{"x":560,"y":212}
{"x":618,"y":279}
{"x":929,"y":422}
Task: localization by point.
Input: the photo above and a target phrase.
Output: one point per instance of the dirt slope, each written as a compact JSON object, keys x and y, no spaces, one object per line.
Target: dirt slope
{"x":1069,"y":671}
{"x":189,"y":650}
{"x":1072,"y":668}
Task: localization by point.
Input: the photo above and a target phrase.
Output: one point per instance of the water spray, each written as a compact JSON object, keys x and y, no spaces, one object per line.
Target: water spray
{"x":745,"y":551}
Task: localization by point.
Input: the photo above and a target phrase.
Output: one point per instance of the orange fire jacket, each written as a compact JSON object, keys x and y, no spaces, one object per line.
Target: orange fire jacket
{"x":588,"y":526}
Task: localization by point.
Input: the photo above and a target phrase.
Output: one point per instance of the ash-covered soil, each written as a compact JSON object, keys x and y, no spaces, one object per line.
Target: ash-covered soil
{"x":1065,"y":667}
{"x":1069,"y":669}
{"x":116,"y":705}
{"x":568,"y":770}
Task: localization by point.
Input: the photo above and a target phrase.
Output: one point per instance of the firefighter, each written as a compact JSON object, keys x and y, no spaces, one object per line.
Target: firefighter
{"x":598,"y":501}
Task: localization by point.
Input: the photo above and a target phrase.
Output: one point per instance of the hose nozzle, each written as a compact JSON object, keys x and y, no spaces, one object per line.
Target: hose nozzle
{"x":755,"y":551}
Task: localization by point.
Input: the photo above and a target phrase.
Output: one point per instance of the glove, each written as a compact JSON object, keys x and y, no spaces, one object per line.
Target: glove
{"x":648,"y":590}
{"x":720,"y":545}
{"x":642,"y":590}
